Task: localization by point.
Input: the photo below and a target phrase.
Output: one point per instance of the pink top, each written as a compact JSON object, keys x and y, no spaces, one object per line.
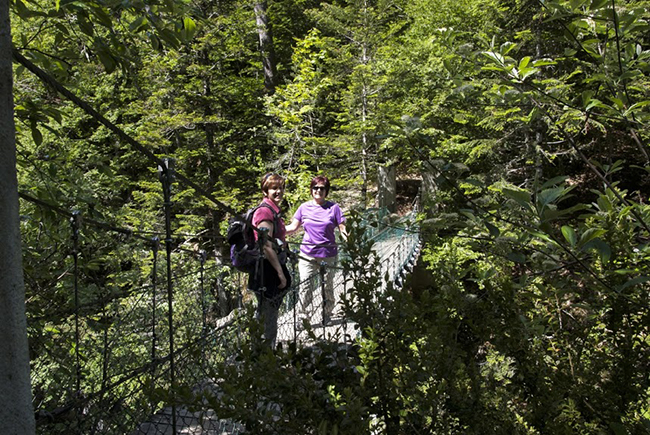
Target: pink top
{"x":264,"y":214}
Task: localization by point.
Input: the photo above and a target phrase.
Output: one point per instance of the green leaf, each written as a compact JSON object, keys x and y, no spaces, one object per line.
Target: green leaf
{"x":618,"y":102}
{"x":590,"y":234}
{"x":474,"y":182}
{"x":51,"y":329}
{"x":544,"y":62}
{"x":630,"y":74}
{"x":595,"y":103}
{"x":516,"y":257}
{"x":495,"y":57}
{"x":549,"y":196}
{"x":554,"y":181}
{"x":598,"y":4}
{"x":37,"y":135}
{"x":102,"y":17}
{"x":139,"y":24}
{"x":544,"y":237}
{"x":520,"y":196}
{"x":507,"y":47}
{"x":601,"y":247}
{"x":155,"y":42}
{"x":634,"y":107}
{"x":494,"y":231}
{"x":526,"y":72}
{"x":604,"y":204}
{"x":22,"y":10}
{"x":492,"y":68}
{"x":633,"y":282}
{"x":189,"y":26}
{"x":570,"y":235}
{"x":107,"y":60}
{"x":85,"y":25}
{"x":169,"y":37}
{"x":460,"y":118}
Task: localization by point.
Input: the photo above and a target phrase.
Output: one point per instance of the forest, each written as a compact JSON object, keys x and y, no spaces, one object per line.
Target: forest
{"x":517,"y":132}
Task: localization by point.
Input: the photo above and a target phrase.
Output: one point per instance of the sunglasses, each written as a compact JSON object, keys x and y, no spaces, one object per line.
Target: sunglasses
{"x":318,"y":188}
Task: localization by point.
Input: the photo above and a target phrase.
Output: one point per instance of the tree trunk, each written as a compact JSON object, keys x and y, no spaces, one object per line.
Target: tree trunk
{"x":428,"y":191}
{"x":364,"y":133}
{"x":387,"y":188}
{"x":266,"y":46}
{"x":16,"y":412}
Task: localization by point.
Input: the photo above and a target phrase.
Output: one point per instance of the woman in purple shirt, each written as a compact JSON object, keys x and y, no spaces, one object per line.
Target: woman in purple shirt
{"x":319,"y":218}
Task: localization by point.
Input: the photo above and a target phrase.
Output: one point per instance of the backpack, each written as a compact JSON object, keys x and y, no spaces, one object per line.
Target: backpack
{"x":244,"y":250}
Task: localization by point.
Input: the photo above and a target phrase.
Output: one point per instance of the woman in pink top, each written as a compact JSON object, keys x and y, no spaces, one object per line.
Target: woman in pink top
{"x":272,"y":283}
{"x":319,"y":218}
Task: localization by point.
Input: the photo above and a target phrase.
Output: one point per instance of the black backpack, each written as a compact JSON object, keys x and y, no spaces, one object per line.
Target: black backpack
{"x":244,"y":250}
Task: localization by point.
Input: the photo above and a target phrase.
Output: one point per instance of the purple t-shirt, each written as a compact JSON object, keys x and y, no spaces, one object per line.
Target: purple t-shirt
{"x":264,"y":214}
{"x":319,"y":222}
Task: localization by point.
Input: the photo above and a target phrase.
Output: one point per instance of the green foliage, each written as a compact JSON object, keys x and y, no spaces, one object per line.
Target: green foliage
{"x":531,"y":116}
{"x":304,"y":107}
{"x":547,"y":310}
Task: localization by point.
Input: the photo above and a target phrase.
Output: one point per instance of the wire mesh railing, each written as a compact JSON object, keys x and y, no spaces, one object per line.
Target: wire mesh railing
{"x":107,"y":366}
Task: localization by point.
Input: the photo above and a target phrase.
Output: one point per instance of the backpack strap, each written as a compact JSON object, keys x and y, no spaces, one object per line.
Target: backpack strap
{"x":278,"y":246}
{"x":276,"y":216}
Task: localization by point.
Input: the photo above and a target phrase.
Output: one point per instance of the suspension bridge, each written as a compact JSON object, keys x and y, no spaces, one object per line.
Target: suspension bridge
{"x":397,"y":248}
{"x":103,"y":392}
{"x":115,"y":351}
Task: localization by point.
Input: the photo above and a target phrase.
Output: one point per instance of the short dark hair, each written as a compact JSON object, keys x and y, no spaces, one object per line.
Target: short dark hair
{"x":322,"y":180}
{"x":271,"y":181}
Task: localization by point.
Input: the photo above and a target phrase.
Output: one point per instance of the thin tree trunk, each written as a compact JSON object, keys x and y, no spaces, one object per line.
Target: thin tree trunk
{"x":16,"y":412}
{"x":266,"y":46}
{"x":387,"y":188}
{"x":429,"y":191}
{"x":364,"y":133}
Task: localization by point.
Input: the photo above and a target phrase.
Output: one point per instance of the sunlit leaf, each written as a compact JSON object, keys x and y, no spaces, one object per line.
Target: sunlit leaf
{"x":570,"y":235}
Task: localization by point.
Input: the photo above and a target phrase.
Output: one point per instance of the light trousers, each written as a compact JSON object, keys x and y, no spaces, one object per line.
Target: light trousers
{"x":309,"y":269}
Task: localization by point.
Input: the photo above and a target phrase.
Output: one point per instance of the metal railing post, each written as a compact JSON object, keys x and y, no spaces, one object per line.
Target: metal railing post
{"x":166,"y":178}
{"x":295,"y":295}
{"x":75,"y":222}
{"x":204,"y":310}
{"x":155,"y":245}
{"x":322,"y":271}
